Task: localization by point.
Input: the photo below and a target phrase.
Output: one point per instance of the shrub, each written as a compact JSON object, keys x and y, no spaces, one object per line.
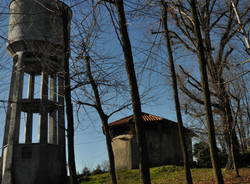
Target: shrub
{"x":85,"y":175}
{"x":202,"y":153}
{"x":97,"y":170}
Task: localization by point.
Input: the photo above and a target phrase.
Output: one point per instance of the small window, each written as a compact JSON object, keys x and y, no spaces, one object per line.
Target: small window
{"x":37,"y":87}
{"x":25,"y":85}
{"x":21,"y":138}
{"x":36,"y":128}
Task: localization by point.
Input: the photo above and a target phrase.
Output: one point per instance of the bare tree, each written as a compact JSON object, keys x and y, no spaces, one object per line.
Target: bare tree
{"x":104,"y":117}
{"x":207,"y":100}
{"x":176,"y":95}
{"x":68,"y":100}
{"x":97,"y":78}
{"x":135,"y":97}
{"x":240,"y":105}
{"x":218,"y":22}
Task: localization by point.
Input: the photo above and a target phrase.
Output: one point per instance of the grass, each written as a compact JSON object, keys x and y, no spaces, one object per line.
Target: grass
{"x":171,"y":175}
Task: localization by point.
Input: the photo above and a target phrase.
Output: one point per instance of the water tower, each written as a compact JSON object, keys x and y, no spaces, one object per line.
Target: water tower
{"x":36,"y":99}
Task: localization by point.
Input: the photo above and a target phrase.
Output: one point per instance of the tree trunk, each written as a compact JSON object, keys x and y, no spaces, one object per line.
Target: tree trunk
{"x":232,"y":149}
{"x":176,"y":97}
{"x":229,"y":129}
{"x":242,"y":132}
{"x":110,"y":151}
{"x":205,"y":88}
{"x":69,"y":107}
{"x":136,"y":104}
{"x":104,"y":119}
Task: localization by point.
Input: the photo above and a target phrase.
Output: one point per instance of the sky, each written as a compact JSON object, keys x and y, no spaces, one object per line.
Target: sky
{"x":89,"y":139}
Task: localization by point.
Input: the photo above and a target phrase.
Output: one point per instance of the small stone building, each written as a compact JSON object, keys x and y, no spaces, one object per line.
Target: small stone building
{"x":162,"y":142}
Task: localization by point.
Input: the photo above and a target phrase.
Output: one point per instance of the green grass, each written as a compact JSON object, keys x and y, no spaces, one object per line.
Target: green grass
{"x":171,"y":175}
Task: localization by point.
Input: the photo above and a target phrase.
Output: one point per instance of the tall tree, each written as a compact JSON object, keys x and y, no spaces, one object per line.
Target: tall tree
{"x":206,"y":92}
{"x":104,"y":118}
{"x":219,"y":30}
{"x":135,"y":97}
{"x":69,"y":106}
{"x":97,"y":77}
{"x":176,"y":95}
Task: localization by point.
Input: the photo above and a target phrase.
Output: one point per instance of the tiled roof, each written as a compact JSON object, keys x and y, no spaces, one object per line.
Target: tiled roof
{"x":145,"y":116}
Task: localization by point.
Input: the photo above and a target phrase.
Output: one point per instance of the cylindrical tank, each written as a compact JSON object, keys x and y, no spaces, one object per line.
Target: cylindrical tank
{"x":36,"y":26}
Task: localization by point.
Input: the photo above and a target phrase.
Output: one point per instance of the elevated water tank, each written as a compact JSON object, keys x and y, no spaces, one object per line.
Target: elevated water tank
{"x":36,"y":26}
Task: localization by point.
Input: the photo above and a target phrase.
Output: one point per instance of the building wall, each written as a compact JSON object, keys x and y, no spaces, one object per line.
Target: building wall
{"x":163,"y":146}
{"x":162,"y":143}
{"x":122,"y":151}
{"x":39,"y":164}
